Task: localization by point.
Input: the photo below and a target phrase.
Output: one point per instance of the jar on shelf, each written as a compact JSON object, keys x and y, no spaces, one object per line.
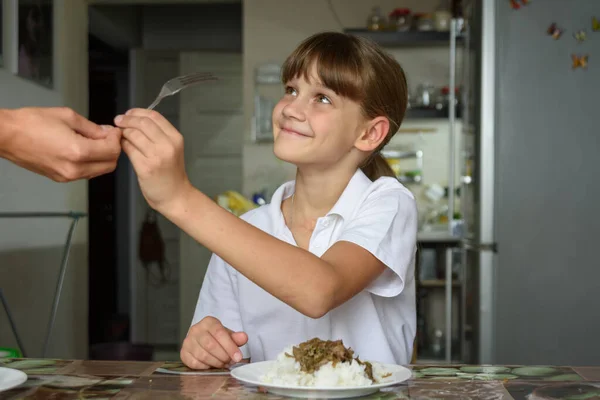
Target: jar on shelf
{"x":442,"y":20}
{"x":445,"y":92}
{"x":442,"y":17}
{"x":376,"y":20}
{"x":400,"y":20}
{"x":424,"y":96}
{"x":458,"y":14}
{"x":441,"y":100}
{"x":423,"y":22}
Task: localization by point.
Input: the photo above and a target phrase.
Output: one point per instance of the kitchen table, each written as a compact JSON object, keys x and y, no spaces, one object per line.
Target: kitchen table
{"x":77,"y":379}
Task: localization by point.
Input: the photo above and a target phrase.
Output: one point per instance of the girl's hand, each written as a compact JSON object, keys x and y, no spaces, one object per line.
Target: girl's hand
{"x":155,"y":149}
{"x":209,"y":344}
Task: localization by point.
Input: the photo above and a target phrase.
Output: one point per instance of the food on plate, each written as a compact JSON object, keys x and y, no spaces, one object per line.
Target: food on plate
{"x":323,"y":363}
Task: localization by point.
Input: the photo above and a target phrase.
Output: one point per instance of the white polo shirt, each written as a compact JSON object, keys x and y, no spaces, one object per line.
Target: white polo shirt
{"x":378,"y":323}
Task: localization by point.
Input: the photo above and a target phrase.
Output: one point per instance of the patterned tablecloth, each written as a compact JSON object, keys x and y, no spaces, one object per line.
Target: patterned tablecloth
{"x":66,"y":379}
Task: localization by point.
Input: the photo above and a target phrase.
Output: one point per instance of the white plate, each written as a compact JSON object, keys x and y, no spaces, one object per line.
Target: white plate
{"x":251,"y":374}
{"x":10,"y":378}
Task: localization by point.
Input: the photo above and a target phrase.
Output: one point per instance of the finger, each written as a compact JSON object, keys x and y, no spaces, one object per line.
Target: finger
{"x":223,"y":337}
{"x":192,"y":362}
{"x":143,"y":124}
{"x":87,"y":150}
{"x":140,"y":141}
{"x":135,"y":156}
{"x":111,"y":130}
{"x":81,"y":124}
{"x":205,"y":350}
{"x":240,"y":338}
{"x":158,"y":118}
{"x":213,"y":346}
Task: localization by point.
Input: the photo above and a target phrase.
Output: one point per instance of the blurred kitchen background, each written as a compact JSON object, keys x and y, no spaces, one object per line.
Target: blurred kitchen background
{"x":499,"y":146}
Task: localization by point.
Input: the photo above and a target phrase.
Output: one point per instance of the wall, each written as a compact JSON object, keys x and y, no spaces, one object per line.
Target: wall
{"x":118,"y":26}
{"x":192,"y":27}
{"x":213,"y":131}
{"x":272,"y":28}
{"x":30,"y":251}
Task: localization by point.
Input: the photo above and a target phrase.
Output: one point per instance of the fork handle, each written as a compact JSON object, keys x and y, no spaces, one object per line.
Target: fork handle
{"x":154,"y":103}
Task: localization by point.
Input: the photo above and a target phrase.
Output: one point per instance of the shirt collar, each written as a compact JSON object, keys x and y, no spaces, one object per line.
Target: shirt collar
{"x":344,"y":207}
{"x":351,"y":196}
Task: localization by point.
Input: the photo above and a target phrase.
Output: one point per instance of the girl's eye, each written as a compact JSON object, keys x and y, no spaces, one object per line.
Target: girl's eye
{"x":290,"y":90}
{"x":321,"y":98}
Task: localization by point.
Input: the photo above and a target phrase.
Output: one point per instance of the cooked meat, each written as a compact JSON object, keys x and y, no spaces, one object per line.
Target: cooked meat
{"x":315,"y":353}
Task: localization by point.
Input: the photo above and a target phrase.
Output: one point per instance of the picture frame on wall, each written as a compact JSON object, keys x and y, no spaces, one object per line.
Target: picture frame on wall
{"x":35,"y":32}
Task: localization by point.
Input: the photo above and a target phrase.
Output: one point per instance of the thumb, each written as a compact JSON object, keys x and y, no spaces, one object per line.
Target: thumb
{"x":240,"y":338}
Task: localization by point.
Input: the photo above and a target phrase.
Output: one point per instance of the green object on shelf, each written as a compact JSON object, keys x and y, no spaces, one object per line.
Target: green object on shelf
{"x":6,"y":352}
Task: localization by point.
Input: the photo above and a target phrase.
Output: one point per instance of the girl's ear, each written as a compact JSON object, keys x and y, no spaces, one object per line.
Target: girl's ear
{"x":375,"y":133}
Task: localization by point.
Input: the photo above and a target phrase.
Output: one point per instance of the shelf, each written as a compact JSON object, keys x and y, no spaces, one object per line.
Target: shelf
{"x":410,"y":179}
{"x":430,"y":113}
{"x":402,"y":154}
{"x":436,"y":283}
{"x":437,"y":237}
{"x":404,"y":39}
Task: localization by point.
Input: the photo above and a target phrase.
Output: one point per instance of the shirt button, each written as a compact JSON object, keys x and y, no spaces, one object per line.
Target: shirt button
{"x":326,"y":223}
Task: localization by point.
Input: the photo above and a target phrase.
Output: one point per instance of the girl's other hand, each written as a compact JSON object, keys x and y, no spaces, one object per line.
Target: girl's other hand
{"x":209,"y":344}
{"x":155,"y":149}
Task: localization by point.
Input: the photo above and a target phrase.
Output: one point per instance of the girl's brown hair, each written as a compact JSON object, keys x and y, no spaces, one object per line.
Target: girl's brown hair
{"x":360,"y":70}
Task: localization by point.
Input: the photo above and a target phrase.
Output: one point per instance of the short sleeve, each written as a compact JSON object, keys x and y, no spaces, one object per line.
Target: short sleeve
{"x":219,"y":297}
{"x":385,"y":224}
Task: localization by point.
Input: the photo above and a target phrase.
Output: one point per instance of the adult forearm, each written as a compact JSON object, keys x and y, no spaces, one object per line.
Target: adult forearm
{"x":7,"y":131}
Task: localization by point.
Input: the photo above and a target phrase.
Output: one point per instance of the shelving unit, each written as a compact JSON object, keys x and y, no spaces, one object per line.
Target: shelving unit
{"x":430,"y":113}
{"x":403,"y":39}
{"x":437,"y":283}
{"x":394,"y":157}
{"x":270,"y":77}
{"x":267,"y":91}
{"x":443,"y":290}
{"x":393,"y":39}
{"x":446,"y":286}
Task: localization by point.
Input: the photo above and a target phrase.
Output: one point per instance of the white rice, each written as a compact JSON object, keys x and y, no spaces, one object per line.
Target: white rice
{"x":286,"y":372}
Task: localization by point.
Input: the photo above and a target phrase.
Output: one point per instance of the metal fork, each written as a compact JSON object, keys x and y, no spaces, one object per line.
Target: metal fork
{"x":179,"y":83}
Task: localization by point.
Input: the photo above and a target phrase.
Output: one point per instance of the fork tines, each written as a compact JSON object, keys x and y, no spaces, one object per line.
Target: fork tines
{"x":197,"y":77}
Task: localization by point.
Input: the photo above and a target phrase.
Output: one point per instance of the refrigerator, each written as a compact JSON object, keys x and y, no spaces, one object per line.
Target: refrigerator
{"x":529,"y":184}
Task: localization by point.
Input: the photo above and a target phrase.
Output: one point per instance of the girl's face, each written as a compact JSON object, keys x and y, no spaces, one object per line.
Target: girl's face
{"x":312,"y":125}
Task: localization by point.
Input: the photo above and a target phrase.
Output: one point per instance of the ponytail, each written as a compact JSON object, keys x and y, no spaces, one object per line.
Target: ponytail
{"x":376,"y":167}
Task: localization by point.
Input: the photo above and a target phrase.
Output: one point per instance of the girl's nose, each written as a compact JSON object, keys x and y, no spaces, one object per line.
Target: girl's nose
{"x":295,"y":110}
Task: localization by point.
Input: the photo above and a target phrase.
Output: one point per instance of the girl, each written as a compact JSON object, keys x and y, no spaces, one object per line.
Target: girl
{"x":332,"y":255}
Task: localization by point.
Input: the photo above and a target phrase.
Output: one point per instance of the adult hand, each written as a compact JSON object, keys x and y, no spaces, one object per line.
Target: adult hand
{"x":155,"y":149}
{"x":58,"y":143}
{"x":209,"y":344}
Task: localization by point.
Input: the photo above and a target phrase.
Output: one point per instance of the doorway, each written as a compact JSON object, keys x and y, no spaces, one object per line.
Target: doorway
{"x":108,"y":278}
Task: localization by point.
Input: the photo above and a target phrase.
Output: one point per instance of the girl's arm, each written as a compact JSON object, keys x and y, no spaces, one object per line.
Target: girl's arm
{"x":309,"y":284}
